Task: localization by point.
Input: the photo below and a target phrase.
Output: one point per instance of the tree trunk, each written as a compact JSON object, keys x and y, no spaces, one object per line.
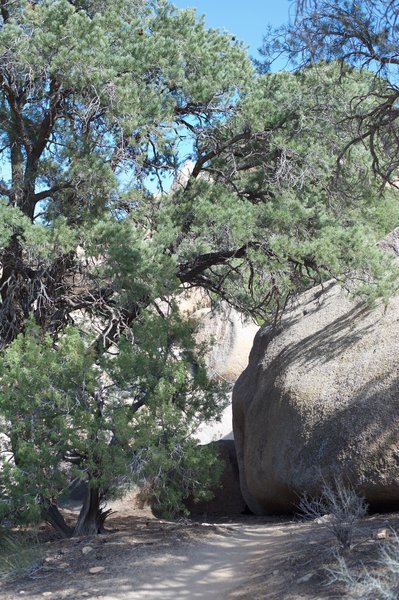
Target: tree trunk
{"x":92,"y":516}
{"x":55,"y":518}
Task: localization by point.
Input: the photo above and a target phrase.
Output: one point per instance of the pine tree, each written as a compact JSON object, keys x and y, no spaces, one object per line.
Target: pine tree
{"x":100,"y":377}
{"x":365,"y":35}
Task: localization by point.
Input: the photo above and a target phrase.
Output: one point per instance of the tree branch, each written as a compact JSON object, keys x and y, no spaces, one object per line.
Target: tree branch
{"x":4,"y":191}
{"x":188,"y":271}
{"x":4,"y":11}
{"x":48,"y":121}
{"x":245,"y":135}
{"x":50,"y":192}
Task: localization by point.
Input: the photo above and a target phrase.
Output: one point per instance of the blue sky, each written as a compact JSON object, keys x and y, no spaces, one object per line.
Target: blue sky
{"x":247,"y":19}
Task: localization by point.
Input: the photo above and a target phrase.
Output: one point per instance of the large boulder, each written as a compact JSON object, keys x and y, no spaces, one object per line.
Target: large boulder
{"x":227,"y":496}
{"x":320,"y":399}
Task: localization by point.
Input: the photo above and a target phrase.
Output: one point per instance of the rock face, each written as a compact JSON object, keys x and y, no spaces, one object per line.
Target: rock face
{"x":224,"y":329}
{"x":226,"y":359}
{"x":233,"y":339}
{"x":230,"y":340}
{"x":228,"y":498}
{"x":320,"y":398}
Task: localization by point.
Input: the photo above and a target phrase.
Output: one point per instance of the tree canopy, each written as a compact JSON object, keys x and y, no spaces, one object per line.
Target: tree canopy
{"x":363,"y":34}
{"x":100,"y":376}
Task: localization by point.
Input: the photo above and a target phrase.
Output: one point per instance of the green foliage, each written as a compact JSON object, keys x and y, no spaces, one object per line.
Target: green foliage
{"x":362,"y":35}
{"x":169,"y":474}
{"x":57,"y":403}
{"x":281,"y":192}
{"x":45,"y":397}
{"x":12,"y":221}
{"x":96,"y":364}
{"x":100,"y":377}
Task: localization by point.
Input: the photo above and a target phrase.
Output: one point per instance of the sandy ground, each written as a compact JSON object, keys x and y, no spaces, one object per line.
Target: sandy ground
{"x":142,"y":558}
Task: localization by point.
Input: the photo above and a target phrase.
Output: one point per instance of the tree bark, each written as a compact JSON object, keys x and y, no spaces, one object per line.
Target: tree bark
{"x":55,"y":518}
{"x":92,"y":516}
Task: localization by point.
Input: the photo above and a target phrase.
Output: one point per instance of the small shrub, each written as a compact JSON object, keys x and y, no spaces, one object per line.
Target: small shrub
{"x":341,"y":506}
{"x":378,"y":583}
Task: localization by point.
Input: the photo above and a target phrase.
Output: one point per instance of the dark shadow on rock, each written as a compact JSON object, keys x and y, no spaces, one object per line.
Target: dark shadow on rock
{"x":358,"y":444}
{"x":227,"y":498}
{"x":328,"y":342}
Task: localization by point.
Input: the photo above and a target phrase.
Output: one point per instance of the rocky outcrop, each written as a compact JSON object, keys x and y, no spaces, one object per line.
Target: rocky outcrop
{"x":229,"y":338}
{"x":227,"y":333}
{"x":232,"y":338}
{"x":227,"y":496}
{"x":320,"y":398}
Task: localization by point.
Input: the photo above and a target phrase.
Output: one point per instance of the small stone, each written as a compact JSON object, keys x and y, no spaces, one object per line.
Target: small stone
{"x":276,"y":572}
{"x":47,"y":594}
{"x":95,"y":570}
{"x":324,"y":519}
{"x":85,"y":594}
{"x":22,"y":592}
{"x":382,"y":534}
{"x":63,"y":565}
{"x":87,"y":549}
{"x":305,"y":578}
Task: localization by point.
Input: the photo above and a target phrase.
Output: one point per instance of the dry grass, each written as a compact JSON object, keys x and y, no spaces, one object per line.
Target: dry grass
{"x":378,"y":581}
{"x":20,"y":554}
{"x":339,"y":508}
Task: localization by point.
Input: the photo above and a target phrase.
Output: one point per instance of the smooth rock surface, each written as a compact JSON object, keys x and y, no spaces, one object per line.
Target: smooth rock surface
{"x":320,"y":398}
{"x":231,"y":338}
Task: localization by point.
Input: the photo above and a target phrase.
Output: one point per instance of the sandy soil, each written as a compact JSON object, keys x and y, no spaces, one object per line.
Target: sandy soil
{"x":143,"y":558}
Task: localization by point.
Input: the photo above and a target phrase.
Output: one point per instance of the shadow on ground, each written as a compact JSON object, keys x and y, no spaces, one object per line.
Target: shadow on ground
{"x":146,"y":559}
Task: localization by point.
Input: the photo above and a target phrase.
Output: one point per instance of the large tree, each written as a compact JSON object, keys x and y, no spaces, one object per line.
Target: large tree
{"x":99,"y":373}
{"x":95,"y":98}
{"x":363,"y":34}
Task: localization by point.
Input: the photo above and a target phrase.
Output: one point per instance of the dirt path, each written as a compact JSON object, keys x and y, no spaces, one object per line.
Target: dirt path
{"x":208,"y":569}
{"x":147,"y":559}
